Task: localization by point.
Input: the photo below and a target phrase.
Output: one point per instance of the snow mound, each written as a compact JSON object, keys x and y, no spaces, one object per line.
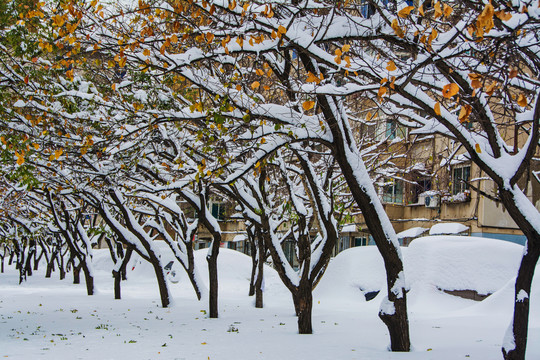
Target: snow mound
{"x":353,"y":273}
{"x":462,"y":263}
{"x":447,"y":228}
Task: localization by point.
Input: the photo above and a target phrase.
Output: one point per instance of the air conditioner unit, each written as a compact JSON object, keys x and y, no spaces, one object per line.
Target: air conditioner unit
{"x":432,"y":201}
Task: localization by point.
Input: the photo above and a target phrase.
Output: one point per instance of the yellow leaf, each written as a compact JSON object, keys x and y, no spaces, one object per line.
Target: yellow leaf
{"x":382,"y":91}
{"x":437,"y":108}
{"x":58,"y":153}
{"x":20,"y":158}
{"x":146,"y":52}
{"x":232,"y":5}
{"x":255,"y":85}
{"x":503,"y":15}
{"x":174,"y":39}
{"x":403,"y":13}
{"x":432,"y":36}
{"x":438,"y":10}
{"x":263,"y":140}
{"x":36,"y":146}
{"x":312,"y":78}
{"x":282,"y":30}
{"x":522,"y":100}
{"x":421,"y":10}
{"x":478,"y":149}
{"x":210,"y":37}
{"x":337,"y":59}
{"x":238,"y":87}
{"x":464,"y":113}
{"x":447,"y":10}
{"x":398,"y":30}
{"x":391,"y":66}
{"x":308,"y":105}
{"x":113,"y":86}
{"x":259,"y":72}
{"x":345,"y":48}
{"x":450,"y":90}
{"x":338,"y":52}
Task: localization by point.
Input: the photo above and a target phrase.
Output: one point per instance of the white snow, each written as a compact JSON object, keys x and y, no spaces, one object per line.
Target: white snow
{"x":447,"y":228}
{"x":348,"y":228}
{"x":412,"y":232}
{"x":53,"y":319}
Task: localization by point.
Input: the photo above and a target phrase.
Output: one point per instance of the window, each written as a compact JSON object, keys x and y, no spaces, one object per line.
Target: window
{"x":393,"y":192}
{"x":391,"y":129}
{"x":218,"y":211}
{"x":421,"y":186}
{"x":360,"y":241}
{"x":460,"y":174}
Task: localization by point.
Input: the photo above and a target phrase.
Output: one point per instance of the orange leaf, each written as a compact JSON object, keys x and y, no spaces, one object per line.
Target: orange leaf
{"x":255,"y":85}
{"x":478,"y":149}
{"x":146,"y":52}
{"x":312,"y":78}
{"x":308,"y":105}
{"x":345,"y":48}
{"x":282,"y":30}
{"x":259,"y":72}
{"x":450,"y":90}
{"x":437,"y":108}
{"x":26,"y":79}
{"x":403,"y":13}
{"x":421,"y":10}
{"x":513,"y":73}
{"x":232,"y":4}
{"x":438,"y":10}
{"x":20,"y":158}
{"x":398,"y":30}
{"x":391,"y":66}
{"x":447,"y":10}
{"x":464,"y":113}
{"x":382,"y":91}
{"x":522,"y":100}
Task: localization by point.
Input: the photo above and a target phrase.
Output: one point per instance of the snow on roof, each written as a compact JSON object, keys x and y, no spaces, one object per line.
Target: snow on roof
{"x":412,"y":232}
{"x":447,"y":228}
{"x":239,"y":237}
{"x":349,"y":228}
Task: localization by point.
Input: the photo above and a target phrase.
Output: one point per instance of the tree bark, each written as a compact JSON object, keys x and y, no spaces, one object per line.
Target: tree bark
{"x":213,"y":279}
{"x":76,"y":273}
{"x":520,"y":324}
{"x":303,"y":306}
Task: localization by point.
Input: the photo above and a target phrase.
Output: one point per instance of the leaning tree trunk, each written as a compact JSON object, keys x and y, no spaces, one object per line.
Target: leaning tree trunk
{"x":397,"y":320}
{"x":514,"y":348}
{"x":88,"y":278}
{"x":515,"y":343}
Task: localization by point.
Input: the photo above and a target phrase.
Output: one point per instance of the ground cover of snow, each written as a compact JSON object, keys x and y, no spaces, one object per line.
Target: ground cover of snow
{"x":53,"y":319}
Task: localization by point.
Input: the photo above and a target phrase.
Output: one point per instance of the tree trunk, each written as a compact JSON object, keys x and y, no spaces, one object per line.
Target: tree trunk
{"x":515,"y":347}
{"x":88,"y":278}
{"x":125,"y":261}
{"x":253,"y":272}
{"x":303,"y":303}
{"x":261,"y":252}
{"x":11,"y":255}
{"x":162,"y":283}
{"x":76,"y":273}
{"x":117,"y":281}
{"x":213,"y":279}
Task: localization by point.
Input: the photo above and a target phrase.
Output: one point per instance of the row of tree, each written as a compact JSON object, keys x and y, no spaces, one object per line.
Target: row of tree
{"x":131,"y":111}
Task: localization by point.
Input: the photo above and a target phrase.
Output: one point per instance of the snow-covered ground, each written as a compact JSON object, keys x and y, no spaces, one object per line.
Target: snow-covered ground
{"x":52,"y":319}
